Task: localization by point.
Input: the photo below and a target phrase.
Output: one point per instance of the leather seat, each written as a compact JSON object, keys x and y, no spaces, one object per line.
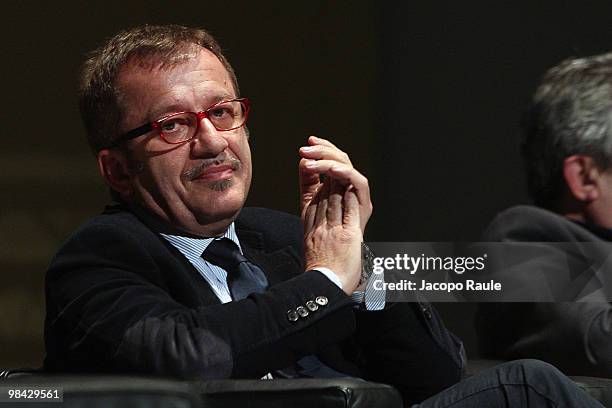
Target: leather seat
{"x":103,"y":391}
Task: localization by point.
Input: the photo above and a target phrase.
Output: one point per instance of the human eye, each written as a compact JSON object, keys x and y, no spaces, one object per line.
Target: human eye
{"x":222,"y":111}
{"x":175,"y":123}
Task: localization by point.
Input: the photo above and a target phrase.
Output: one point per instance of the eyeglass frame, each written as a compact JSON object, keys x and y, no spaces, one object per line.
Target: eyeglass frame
{"x":156,"y":124}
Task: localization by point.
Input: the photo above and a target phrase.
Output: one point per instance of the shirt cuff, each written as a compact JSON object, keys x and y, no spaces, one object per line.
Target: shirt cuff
{"x":330,"y":275}
{"x":373,"y":299}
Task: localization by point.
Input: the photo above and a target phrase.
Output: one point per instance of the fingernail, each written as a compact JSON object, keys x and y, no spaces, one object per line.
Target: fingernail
{"x":309,"y":163}
{"x":306,"y":149}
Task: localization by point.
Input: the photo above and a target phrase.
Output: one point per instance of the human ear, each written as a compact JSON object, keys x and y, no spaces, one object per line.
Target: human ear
{"x":114,"y":169}
{"x":582,"y":176}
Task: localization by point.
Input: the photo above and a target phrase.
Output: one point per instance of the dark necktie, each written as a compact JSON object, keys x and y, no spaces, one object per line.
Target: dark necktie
{"x":244,"y":278}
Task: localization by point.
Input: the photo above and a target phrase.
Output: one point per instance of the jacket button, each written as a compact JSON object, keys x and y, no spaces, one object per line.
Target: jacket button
{"x":426,"y":312}
{"x":321,"y":300}
{"x":292,"y":315}
{"x":301,"y":310}
{"x":312,"y":306}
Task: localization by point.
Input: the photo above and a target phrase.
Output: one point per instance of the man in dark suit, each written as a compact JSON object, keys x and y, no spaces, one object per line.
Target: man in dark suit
{"x":179,"y":279}
{"x":567,"y":149}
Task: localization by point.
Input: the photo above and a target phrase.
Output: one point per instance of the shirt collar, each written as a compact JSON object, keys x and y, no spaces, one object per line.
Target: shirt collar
{"x":193,"y":248}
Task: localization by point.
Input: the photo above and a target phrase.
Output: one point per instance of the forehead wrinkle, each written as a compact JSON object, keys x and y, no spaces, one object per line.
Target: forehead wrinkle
{"x":187,"y":88}
{"x":179,"y":104}
{"x":175,"y":102}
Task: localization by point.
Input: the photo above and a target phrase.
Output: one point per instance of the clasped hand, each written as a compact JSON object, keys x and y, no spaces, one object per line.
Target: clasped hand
{"x":334,"y":211}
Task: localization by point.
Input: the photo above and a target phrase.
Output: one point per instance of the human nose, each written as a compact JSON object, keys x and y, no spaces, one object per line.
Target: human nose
{"x":208,"y":141}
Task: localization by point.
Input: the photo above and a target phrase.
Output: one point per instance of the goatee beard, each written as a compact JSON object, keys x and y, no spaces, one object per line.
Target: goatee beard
{"x":221,"y":185}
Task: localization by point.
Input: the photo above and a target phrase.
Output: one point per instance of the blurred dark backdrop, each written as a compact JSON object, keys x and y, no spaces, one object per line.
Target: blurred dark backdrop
{"x":425,"y":97}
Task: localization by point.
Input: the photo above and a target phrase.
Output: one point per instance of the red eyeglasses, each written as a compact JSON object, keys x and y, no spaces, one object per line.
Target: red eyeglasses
{"x":181,"y":127}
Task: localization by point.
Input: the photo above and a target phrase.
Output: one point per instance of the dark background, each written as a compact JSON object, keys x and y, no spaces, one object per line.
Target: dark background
{"x":424,"y":96}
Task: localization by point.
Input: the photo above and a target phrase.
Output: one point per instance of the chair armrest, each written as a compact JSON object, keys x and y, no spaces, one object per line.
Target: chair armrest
{"x":120,"y":391}
{"x":298,"y":393}
{"x":113,"y":391}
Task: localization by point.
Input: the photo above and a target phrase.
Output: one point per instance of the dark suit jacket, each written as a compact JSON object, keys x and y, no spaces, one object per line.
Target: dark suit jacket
{"x":120,"y":298}
{"x":574,"y":336}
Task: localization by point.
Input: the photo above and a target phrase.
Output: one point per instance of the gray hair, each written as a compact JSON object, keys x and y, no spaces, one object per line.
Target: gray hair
{"x":570,"y":113}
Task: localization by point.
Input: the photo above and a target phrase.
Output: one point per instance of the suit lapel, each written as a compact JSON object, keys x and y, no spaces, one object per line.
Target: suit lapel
{"x":278,"y":265}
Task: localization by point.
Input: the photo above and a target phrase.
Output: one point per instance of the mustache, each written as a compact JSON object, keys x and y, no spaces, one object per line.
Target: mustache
{"x":221,"y":160}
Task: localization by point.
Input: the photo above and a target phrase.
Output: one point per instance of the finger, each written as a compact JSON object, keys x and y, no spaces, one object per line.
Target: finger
{"x":322,"y":200}
{"x":328,"y":167}
{"x":348,"y":176}
{"x":344,"y":174}
{"x":314,"y":140}
{"x":323,"y":165}
{"x":319,"y":152}
{"x":334,"y":206}
{"x":309,"y":183}
{"x":309,"y":180}
{"x":308,"y":215}
{"x":350,"y":217}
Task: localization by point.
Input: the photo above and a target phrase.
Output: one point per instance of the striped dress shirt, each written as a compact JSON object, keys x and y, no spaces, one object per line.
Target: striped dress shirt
{"x":192,"y":249}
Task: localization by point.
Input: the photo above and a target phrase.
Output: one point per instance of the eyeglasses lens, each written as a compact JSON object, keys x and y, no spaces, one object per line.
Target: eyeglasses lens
{"x":182,"y":126}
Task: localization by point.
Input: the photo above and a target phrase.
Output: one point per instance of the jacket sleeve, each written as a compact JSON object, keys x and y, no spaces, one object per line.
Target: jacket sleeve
{"x":108,"y":310}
